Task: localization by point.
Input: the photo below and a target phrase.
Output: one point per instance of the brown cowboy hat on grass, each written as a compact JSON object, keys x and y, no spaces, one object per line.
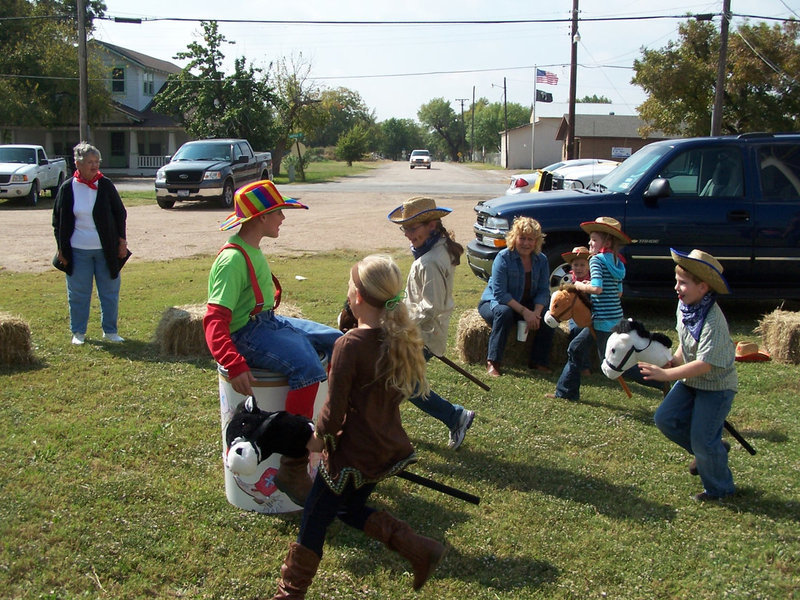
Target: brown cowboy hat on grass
{"x":749,"y":352}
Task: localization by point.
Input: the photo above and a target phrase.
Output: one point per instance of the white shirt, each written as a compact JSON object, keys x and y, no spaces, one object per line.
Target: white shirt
{"x":85,"y":236}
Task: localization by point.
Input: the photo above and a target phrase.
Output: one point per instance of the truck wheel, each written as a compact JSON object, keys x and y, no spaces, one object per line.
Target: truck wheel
{"x":54,"y":190}
{"x":33,"y":195}
{"x":226,"y":200}
{"x":165,"y":203}
{"x":560,"y":271}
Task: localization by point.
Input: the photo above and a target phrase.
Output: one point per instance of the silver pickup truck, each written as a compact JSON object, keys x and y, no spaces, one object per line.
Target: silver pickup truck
{"x":210,"y":169}
{"x":25,"y":171}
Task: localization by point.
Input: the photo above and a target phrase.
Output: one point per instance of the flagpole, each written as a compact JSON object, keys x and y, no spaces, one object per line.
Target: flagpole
{"x":533,"y":119}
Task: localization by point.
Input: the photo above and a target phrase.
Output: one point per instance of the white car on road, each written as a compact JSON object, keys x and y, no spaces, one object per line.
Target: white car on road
{"x":420,"y":158}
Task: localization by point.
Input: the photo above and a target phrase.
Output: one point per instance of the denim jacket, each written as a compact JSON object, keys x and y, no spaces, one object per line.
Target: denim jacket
{"x":508,"y":279}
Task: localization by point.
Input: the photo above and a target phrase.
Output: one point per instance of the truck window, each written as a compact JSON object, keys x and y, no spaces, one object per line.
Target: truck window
{"x":779,"y":171}
{"x":713,"y":172}
{"x":243,"y":150}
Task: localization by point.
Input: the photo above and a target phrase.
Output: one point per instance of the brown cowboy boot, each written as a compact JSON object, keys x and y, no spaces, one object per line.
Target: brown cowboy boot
{"x":293,"y":479}
{"x":297,"y":572}
{"x":423,"y":553}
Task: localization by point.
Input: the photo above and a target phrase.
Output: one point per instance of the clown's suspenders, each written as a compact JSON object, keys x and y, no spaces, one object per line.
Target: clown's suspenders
{"x":254,"y":282}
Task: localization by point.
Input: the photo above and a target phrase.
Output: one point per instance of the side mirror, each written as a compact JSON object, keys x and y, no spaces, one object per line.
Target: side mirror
{"x":242,"y":160}
{"x":658,"y":188}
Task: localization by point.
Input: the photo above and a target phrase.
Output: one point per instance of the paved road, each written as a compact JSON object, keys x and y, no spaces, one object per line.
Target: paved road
{"x":349,"y":213}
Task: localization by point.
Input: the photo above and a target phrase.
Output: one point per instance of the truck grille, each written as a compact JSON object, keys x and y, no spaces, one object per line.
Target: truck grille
{"x":5,"y":178}
{"x":481,"y":219}
{"x":179,"y":177}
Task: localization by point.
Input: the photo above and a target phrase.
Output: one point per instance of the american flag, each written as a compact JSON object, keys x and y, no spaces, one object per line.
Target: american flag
{"x":546,"y":77}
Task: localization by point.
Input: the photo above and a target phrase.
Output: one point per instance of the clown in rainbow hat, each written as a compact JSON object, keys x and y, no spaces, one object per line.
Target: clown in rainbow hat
{"x":241,"y":327}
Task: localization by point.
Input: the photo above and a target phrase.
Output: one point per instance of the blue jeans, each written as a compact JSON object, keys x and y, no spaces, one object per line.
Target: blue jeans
{"x":502,"y":319}
{"x":286,"y":345}
{"x":89,"y":266}
{"x":436,"y":406}
{"x":584,"y":361}
{"x":693,"y":419}
{"x":323,"y":506}
{"x":569,"y":383}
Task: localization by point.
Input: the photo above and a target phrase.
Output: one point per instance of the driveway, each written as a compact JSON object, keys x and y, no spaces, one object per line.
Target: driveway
{"x":349,"y":213}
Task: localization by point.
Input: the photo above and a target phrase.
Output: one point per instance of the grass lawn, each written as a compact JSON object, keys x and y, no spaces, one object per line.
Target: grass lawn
{"x":112,"y":479}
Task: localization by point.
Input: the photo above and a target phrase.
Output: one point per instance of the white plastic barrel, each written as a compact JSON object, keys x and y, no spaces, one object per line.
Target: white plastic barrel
{"x":258,"y":492}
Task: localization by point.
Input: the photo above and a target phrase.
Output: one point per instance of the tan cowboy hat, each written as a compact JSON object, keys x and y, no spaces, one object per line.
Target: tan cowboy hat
{"x":577,"y":252}
{"x":749,"y":352}
{"x":418,"y":210}
{"x":703,"y":266}
{"x":607,"y":225}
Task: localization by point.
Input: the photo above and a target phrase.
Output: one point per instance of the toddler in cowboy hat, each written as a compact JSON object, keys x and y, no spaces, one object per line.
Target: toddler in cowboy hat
{"x":693,"y":413}
{"x":578,"y":260}
{"x":607,"y":270}
{"x":242,"y":336}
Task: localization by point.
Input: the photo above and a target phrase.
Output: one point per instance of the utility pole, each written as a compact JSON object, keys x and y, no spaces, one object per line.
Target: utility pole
{"x":505,"y":117}
{"x":573,"y":78}
{"x":83,"y":76}
{"x":719,"y":92}
{"x":463,"y":127}
{"x":472,"y":135}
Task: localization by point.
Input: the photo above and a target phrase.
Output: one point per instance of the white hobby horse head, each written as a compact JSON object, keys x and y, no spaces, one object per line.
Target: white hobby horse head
{"x":630,"y":343}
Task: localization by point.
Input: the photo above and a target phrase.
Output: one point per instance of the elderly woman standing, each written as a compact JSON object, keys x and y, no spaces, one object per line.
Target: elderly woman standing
{"x":518,"y":289}
{"x":89,"y":225}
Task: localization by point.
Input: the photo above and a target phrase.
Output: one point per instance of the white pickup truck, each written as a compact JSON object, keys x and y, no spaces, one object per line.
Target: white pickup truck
{"x":25,"y":171}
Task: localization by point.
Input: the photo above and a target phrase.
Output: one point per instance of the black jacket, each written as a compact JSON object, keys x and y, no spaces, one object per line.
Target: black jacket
{"x":109,"y":219}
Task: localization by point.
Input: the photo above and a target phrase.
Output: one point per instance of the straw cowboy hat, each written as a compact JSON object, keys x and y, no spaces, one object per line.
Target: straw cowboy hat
{"x":749,"y":352}
{"x":607,"y":225}
{"x":703,"y":266}
{"x":418,"y":210}
{"x":255,"y":199}
{"x":577,"y":252}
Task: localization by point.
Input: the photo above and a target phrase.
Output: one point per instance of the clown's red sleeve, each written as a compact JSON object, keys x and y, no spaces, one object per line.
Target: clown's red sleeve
{"x":217,"y":326}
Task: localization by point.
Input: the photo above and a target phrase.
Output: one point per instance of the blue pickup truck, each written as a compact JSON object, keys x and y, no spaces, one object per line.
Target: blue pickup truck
{"x":737,"y":197}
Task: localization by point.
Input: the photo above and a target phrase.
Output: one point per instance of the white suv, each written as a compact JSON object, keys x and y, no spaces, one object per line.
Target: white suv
{"x":420,"y":158}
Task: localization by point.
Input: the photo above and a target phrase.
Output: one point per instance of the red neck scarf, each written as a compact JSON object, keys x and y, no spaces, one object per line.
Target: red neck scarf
{"x":91,"y":183}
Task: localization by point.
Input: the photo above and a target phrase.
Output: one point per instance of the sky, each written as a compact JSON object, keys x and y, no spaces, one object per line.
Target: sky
{"x":398,"y":68}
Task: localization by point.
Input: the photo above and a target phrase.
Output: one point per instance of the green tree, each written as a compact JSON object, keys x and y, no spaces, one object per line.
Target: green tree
{"x":298,"y":105}
{"x":594,"y":99}
{"x":761,"y":91}
{"x":352,"y":145}
{"x":399,"y":136}
{"x":440,"y":118}
{"x":345,"y":108}
{"x":212,"y":104}
{"x":39,"y":63}
{"x":490,"y":122}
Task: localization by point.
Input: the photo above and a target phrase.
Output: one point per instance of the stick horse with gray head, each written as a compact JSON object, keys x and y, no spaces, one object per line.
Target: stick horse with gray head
{"x":631,"y":342}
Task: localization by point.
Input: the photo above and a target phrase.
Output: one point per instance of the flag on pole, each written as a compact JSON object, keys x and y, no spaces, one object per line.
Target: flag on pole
{"x":542,"y":96}
{"x":546,"y":77}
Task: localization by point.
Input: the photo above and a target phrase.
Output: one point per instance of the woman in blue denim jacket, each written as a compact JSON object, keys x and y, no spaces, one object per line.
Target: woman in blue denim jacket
{"x":518,"y":290}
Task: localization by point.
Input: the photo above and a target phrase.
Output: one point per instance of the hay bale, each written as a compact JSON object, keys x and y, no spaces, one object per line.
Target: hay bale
{"x":15,"y":341}
{"x":472,"y":342}
{"x":780,"y":335}
{"x":180,"y":331}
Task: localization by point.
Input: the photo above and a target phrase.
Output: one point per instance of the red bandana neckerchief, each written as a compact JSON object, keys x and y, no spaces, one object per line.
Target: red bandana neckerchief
{"x":91,"y":183}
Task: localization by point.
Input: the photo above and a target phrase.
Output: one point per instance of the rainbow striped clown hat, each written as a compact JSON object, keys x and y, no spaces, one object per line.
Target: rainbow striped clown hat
{"x":255,"y":199}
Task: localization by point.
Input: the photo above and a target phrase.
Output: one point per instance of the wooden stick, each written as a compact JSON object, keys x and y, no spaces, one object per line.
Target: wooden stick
{"x":465,"y":373}
{"x":739,"y":438}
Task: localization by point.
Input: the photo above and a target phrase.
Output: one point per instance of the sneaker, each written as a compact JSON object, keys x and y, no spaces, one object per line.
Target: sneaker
{"x":113,"y":337}
{"x":78,"y":338}
{"x":459,"y":431}
{"x":706,"y":497}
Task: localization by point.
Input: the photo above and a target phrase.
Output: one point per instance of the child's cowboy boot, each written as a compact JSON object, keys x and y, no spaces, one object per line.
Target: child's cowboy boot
{"x":297,"y":572}
{"x":293,"y":478}
{"x":423,"y":553}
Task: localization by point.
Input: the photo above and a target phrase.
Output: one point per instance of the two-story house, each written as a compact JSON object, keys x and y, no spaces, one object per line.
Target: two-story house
{"x":133,"y":138}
